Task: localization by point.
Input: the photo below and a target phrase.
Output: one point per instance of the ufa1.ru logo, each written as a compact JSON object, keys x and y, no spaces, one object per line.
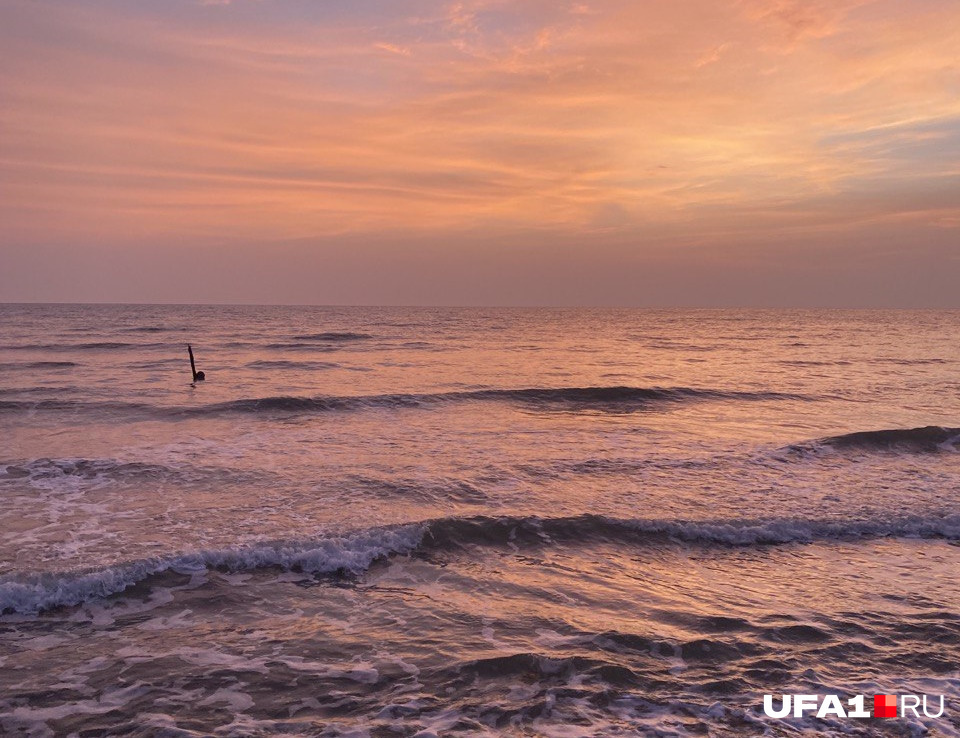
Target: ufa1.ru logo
{"x":884,"y":706}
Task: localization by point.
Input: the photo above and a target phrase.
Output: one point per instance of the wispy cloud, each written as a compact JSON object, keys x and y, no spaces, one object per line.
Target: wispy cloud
{"x":660,"y":123}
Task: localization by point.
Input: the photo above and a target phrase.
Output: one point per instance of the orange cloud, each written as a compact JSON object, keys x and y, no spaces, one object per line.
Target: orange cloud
{"x":670,"y":121}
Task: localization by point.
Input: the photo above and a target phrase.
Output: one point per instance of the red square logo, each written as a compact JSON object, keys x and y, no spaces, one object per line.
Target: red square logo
{"x":885,"y":705}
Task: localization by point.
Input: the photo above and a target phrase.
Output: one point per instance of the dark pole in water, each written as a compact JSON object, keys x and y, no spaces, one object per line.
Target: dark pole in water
{"x":197,"y":376}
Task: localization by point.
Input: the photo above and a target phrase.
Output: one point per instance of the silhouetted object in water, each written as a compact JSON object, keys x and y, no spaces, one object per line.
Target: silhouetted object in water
{"x":197,"y":376}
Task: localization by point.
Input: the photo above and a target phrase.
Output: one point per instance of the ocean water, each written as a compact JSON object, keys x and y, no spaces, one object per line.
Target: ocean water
{"x":484,"y":522}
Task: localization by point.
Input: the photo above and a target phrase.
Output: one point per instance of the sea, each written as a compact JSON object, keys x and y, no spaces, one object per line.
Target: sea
{"x":475,"y":522}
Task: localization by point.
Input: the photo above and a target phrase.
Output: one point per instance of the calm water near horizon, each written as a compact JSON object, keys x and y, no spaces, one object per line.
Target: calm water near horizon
{"x":432,"y":521}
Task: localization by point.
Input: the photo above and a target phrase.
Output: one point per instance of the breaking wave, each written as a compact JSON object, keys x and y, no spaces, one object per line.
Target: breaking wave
{"x":600,"y":397}
{"x":608,"y":399}
{"x":353,"y":553}
{"x":927,"y":440}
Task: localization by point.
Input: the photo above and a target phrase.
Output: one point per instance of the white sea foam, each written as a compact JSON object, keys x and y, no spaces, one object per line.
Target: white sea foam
{"x":353,"y":553}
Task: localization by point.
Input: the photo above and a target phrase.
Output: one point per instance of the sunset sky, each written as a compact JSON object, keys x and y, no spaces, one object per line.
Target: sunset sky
{"x":621,"y":152}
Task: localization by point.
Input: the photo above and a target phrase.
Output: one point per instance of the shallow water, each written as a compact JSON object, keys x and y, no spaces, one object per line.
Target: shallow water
{"x":373,"y":521}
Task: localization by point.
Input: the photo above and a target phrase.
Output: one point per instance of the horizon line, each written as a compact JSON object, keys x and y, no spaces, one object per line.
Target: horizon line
{"x":481,"y":306}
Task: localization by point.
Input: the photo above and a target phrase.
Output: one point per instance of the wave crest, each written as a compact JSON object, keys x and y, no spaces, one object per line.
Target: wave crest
{"x":455,"y":532}
{"x":285,"y":364}
{"x":354,"y":552}
{"x":606,"y":399}
{"x":927,"y":440}
{"x":38,"y":365}
{"x":334,"y":336}
{"x":40,"y":472}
